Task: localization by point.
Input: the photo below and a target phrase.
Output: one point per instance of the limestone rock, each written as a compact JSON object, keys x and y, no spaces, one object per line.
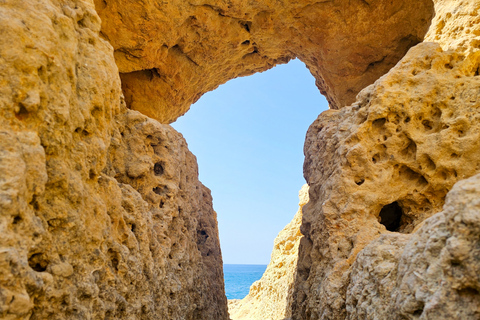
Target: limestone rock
{"x":455,"y":25}
{"x":170,"y":53}
{"x":431,"y":274}
{"x":270,"y":297}
{"x":389,"y":158}
{"x":102,"y":215}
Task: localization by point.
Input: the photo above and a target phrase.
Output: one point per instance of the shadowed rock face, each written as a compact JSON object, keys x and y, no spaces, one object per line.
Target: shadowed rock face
{"x":169,"y":53}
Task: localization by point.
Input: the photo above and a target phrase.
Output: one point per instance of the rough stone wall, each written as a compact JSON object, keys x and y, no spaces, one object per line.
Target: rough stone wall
{"x":102,"y":215}
{"x":403,"y":144}
{"x":431,"y":274}
{"x":270,"y":297}
{"x":169,"y":53}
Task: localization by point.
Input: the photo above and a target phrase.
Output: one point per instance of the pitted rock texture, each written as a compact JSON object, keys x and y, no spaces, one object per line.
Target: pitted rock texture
{"x":386,"y":162}
{"x":102,"y":215}
{"x":431,"y":274}
{"x":455,"y":25}
{"x":170,"y":53}
{"x":270,"y":298}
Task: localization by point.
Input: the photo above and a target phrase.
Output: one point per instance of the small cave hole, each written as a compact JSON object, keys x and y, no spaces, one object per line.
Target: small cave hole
{"x":246,"y":42}
{"x":114,"y":258}
{"x":359,"y":181}
{"x":419,"y":310}
{"x":17,"y":219}
{"x":391,"y":216}
{"x":427,"y":124}
{"x":160,"y":190}
{"x":133,"y":227}
{"x":378,"y":123}
{"x":162,"y":203}
{"x":22,"y":113}
{"x":407,"y":120}
{"x":38,"y":262}
{"x":158,"y":169}
{"x":247,"y":26}
{"x":91,"y":174}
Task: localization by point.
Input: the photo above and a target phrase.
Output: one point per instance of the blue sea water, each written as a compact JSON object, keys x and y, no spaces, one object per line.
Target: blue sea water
{"x":239,"y":278}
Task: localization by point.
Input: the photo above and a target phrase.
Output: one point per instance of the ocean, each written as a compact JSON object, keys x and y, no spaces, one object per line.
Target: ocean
{"x":239,"y":278}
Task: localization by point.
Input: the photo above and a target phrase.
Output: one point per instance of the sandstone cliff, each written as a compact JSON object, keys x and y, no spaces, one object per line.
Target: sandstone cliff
{"x":270,"y":297}
{"x":102,"y":215}
{"x":383,"y":165}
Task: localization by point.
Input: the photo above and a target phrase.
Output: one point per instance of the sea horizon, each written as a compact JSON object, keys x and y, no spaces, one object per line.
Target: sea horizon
{"x":239,"y":277}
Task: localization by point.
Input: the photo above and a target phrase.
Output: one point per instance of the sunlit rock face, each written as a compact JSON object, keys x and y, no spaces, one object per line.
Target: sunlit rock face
{"x":102,"y":215}
{"x":431,"y":274}
{"x":169,"y":53}
{"x":377,"y":169}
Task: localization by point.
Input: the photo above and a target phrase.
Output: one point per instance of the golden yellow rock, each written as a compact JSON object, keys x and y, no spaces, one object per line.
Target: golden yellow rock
{"x":270,"y":297}
{"x":170,"y":53}
{"x":102,"y":215}
{"x":431,"y":274}
{"x":382,"y":165}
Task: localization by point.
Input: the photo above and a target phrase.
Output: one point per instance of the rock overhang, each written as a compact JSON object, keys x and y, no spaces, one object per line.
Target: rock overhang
{"x":171,"y":53}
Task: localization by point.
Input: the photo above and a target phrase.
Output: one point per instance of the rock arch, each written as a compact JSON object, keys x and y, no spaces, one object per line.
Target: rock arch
{"x":169,"y":53}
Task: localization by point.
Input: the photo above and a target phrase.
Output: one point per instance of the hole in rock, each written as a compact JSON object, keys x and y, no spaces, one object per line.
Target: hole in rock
{"x":17,"y":219}
{"x":38,"y":262}
{"x":22,"y":113}
{"x":378,"y":123}
{"x":391,"y":216}
{"x":114,"y":258}
{"x":248,"y":137}
{"x":158,"y":169}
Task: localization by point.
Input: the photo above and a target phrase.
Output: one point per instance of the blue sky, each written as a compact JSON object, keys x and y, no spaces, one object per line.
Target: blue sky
{"x":248,"y":137}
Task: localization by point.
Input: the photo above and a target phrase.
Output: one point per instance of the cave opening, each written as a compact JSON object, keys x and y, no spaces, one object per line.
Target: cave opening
{"x":391,"y":216}
{"x":248,"y":137}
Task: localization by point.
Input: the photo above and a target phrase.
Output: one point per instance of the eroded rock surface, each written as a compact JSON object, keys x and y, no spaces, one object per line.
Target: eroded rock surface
{"x":170,"y":53}
{"x":384,"y":165}
{"x":102,"y":215}
{"x":270,"y":298}
{"x":431,"y":274}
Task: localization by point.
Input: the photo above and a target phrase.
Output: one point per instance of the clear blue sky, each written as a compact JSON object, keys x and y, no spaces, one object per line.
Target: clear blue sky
{"x":248,"y":137}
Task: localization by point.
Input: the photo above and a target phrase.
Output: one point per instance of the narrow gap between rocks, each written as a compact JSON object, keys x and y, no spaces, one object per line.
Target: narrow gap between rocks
{"x":248,"y":138}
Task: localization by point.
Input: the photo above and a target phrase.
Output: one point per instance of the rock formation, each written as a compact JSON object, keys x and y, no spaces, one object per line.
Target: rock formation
{"x":377,"y":170}
{"x":170,"y":53}
{"x":431,"y":274}
{"x":102,"y":215}
{"x":385,"y":163}
{"x":268,"y":298}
